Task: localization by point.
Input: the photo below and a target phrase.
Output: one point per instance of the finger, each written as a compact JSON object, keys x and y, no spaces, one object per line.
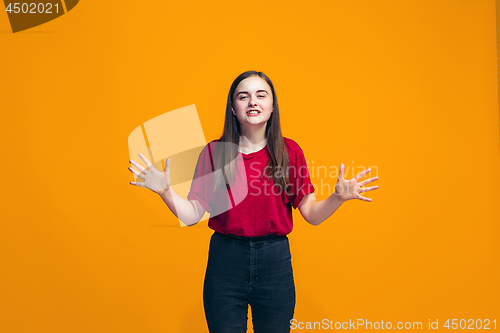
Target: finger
{"x":149,"y":165}
{"x":364,"y":182}
{"x":141,"y":184}
{"x":138,"y":166}
{"x":361,"y":174}
{"x":341,"y":174}
{"x":167,"y":166}
{"x":365,"y":189}
{"x":364,"y":199}
{"x":137,"y":173}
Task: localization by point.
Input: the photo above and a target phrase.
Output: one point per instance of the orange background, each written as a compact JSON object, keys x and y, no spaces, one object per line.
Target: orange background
{"x":410,"y":88}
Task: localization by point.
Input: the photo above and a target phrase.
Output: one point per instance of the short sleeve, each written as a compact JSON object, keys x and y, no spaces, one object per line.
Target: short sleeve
{"x":302,"y":185}
{"x":202,"y":184}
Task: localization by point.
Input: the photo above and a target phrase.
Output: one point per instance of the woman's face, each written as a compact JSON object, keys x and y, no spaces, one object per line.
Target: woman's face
{"x":253,"y":93}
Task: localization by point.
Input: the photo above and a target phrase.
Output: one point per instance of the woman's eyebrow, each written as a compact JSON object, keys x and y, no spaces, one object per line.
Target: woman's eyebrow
{"x":246,"y":92}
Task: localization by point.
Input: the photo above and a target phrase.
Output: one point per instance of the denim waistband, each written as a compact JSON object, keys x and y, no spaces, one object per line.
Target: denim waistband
{"x":252,"y":239}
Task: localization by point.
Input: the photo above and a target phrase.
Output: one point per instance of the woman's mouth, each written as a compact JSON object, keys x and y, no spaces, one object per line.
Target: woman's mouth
{"x":253,"y":113}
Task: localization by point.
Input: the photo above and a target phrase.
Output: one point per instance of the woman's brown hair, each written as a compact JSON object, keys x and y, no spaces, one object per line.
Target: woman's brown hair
{"x":225,"y":154}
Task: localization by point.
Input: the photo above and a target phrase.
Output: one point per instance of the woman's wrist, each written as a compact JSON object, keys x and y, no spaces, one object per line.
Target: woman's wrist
{"x":164,"y":192}
{"x":336,"y":198}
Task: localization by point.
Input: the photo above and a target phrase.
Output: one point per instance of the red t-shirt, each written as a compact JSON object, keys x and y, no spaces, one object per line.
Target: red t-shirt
{"x":252,"y":206}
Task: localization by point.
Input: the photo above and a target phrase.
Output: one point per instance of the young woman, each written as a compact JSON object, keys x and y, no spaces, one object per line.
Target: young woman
{"x":249,"y":180}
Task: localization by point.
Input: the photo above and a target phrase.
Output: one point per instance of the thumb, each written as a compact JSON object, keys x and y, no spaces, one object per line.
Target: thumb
{"x":167,"y":165}
{"x":341,"y":174}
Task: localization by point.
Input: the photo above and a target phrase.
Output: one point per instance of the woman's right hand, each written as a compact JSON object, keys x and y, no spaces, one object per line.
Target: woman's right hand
{"x":156,"y":181}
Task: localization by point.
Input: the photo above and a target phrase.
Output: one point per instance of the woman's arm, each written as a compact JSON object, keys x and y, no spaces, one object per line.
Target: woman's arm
{"x":188,"y":211}
{"x":314,"y":211}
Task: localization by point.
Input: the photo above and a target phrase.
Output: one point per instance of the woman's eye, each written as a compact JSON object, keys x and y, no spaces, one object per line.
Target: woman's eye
{"x":242,"y":97}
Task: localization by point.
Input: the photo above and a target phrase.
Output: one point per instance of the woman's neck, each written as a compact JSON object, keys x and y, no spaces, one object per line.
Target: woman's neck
{"x":253,"y":140}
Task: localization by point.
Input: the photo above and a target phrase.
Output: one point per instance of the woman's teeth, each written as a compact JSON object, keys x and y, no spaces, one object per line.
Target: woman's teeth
{"x":253,"y":112}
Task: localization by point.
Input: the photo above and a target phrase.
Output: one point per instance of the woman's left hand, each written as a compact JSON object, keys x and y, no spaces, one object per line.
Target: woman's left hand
{"x":351,"y":189}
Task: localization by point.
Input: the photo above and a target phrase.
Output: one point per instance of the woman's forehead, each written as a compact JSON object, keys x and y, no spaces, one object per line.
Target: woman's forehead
{"x":253,"y":83}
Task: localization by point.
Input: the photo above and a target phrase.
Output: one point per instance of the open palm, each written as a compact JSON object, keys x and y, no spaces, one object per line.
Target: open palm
{"x":351,"y":189}
{"x":155,"y":180}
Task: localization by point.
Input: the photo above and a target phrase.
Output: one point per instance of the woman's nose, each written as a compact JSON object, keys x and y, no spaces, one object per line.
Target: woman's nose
{"x":251,"y":101}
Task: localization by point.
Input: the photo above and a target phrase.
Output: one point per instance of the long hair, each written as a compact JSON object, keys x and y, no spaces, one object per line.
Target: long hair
{"x":225,"y":154}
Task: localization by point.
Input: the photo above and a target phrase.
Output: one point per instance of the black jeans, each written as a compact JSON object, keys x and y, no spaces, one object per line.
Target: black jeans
{"x":255,"y":271}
